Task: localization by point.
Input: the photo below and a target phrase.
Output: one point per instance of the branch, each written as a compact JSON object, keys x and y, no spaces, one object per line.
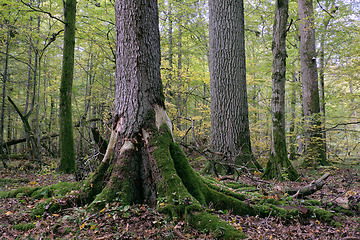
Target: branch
{"x":52,"y":39}
{"x":341,"y":124}
{"x":324,"y":9}
{"x":310,"y":188}
{"x":42,"y":11}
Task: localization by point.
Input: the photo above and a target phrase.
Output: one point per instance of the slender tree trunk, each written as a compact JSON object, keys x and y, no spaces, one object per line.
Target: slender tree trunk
{"x":5,"y":79}
{"x":314,"y":142}
{"x":230,"y":132}
{"x":179,"y":77}
{"x":326,"y":22}
{"x":292,"y":133}
{"x":170,"y":55}
{"x":67,"y":148}
{"x":279,"y":163}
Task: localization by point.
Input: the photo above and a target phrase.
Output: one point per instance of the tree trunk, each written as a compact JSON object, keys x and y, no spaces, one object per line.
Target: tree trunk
{"x":67,"y":148}
{"x":33,"y":142}
{"x":326,"y":22}
{"x":179,"y":100}
{"x":292,"y":133}
{"x":5,"y":79}
{"x":230,"y":132}
{"x":279,"y":164}
{"x":314,"y":142}
{"x":142,"y":163}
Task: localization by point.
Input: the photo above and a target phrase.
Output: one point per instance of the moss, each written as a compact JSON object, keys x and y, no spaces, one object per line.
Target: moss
{"x":49,"y":205}
{"x":322,"y":214}
{"x":234,"y":185}
{"x":225,"y":190}
{"x":200,"y":190}
{"x":313,"y":202}
{"x":23,"y":226}
{"x":10,"y":180}
{"x":55,"y":190}
{"x":13,"y":193}
{"x":95,"y":184}
{"x":221,"y":229}
{"x":170,"y":186}
{"x":270,"y":200}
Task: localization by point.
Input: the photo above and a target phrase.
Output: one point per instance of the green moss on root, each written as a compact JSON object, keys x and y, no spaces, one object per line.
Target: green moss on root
{"x":23,"y":190}
{"x":55,"y":190}
{"x":221,"y":229}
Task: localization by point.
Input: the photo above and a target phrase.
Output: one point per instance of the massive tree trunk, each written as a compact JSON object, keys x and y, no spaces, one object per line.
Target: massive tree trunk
{"x":279,"y":163}
{"x":142,"y":163}
{"x":67,"y":148}
{"x":230,"y":132}
{"x":314,"y":142}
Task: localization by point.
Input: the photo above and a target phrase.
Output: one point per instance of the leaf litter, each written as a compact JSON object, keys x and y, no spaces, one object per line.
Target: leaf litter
{"x":142,"y":222}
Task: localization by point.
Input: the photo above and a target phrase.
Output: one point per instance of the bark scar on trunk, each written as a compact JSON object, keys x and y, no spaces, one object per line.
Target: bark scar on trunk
{"x":146,"y":136}
{"x":161,"y":118}
{"x":128,"y":145}
{"x":110,"y":149}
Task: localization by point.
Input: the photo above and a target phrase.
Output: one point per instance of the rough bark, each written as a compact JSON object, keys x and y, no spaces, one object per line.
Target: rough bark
{"x":314,"y":143}
{"x":142,"y":163}
{"x":230,"y":132}
{"x":279,"y":165}
{"x":67,"y":148}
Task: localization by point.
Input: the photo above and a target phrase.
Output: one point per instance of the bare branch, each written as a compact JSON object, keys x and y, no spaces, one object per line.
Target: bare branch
{"x":37,"y":9}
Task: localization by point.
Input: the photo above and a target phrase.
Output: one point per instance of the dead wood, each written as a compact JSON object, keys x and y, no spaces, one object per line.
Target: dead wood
{"x":310,"y":188}
{"x":99,"y":140}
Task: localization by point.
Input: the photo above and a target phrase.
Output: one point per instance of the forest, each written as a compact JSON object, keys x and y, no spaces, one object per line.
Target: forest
{"x":169,"y":119}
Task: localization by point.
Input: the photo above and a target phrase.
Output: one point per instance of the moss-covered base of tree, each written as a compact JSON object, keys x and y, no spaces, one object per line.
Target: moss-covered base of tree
{"x":280,"y":169}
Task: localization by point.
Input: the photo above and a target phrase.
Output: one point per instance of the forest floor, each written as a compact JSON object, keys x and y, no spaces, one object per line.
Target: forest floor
{"x":142,"y":222}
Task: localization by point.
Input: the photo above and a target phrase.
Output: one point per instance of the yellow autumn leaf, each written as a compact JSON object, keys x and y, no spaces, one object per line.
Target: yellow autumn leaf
{"x":82,"y":225}
{"x":92,"y":227}
{"x":102,"y":210}
{"x":8,"y":213}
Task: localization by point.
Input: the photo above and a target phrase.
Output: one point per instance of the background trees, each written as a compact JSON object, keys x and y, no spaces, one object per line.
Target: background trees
{"x":184,"y":69}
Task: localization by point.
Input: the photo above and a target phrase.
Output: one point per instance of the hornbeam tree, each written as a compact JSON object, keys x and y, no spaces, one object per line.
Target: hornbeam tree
{"x":278,"y":162}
